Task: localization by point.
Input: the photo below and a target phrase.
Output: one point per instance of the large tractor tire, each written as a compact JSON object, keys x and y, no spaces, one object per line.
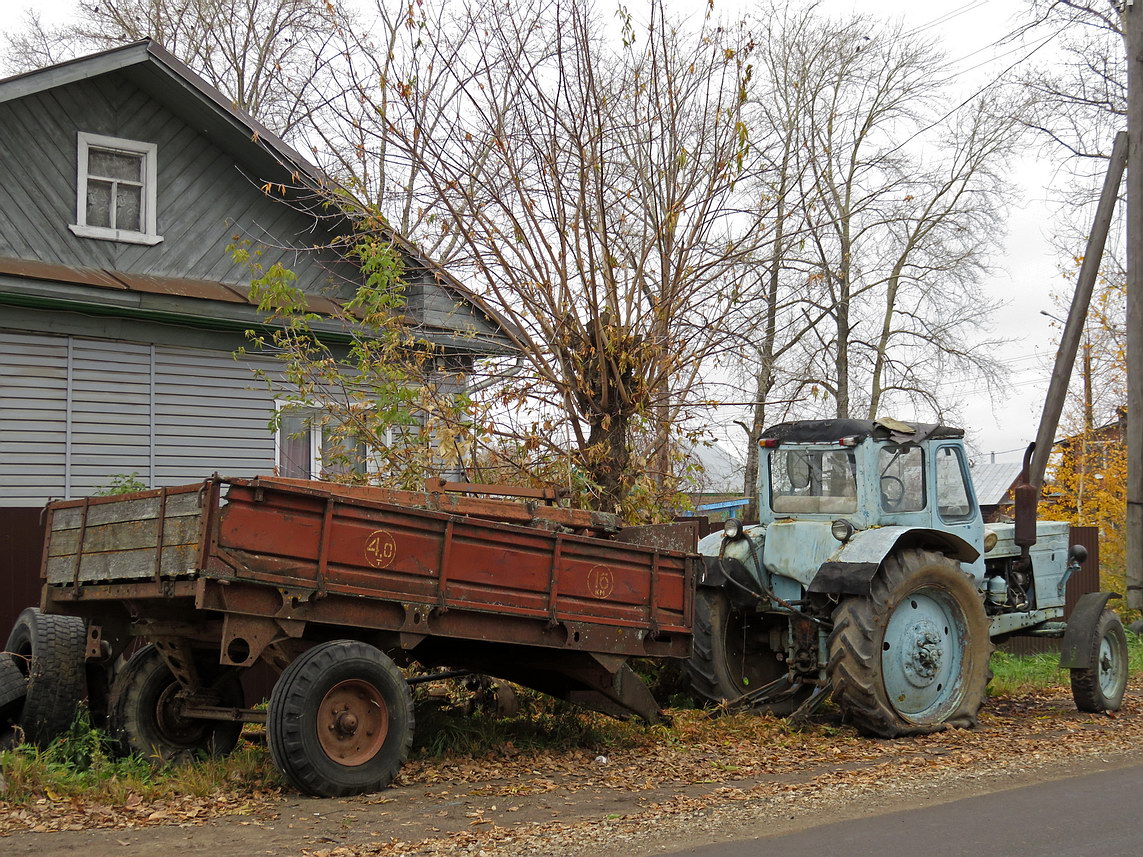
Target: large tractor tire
{"x":912,"y":657}
{"x":50,"y":652}
{"x":340,"y":720}
{"x":1100,"y":687}
{"x":146,"y":712}
{"x":731,"y":656}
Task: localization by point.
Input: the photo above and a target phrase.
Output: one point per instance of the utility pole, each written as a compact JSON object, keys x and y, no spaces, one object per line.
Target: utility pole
{"x":1132,"y":24}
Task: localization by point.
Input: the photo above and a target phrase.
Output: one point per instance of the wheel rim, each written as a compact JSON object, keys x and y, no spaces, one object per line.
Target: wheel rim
{"x":748,"y":660}
{"x":1110,"y":667}
{"x":352,"y":722}
{"x":172,"y":722}
{"x":922,"y":654}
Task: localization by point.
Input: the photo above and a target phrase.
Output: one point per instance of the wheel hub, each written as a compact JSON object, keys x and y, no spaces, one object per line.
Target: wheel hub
{"x":170,"y":717}
{"x":921,"y":655}
{"x":352,"y":722}
{"x":923,"y":661}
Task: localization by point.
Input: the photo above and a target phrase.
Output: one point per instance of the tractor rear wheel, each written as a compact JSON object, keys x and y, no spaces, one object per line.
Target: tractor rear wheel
{"x":731,"y":655}
{"x":912,"y":657}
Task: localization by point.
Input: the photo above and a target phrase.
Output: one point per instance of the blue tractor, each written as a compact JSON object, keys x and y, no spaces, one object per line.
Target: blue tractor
{"x":872,"y":576}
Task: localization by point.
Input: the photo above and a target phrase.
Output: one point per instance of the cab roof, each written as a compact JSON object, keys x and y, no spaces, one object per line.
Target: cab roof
{"x":830,"y":431}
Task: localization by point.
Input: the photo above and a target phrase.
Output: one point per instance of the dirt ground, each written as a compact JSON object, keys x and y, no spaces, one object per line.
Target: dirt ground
{"x":630,"y":804}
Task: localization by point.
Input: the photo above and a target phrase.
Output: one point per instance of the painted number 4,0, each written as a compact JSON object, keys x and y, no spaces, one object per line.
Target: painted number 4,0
{"x":380,"y":549}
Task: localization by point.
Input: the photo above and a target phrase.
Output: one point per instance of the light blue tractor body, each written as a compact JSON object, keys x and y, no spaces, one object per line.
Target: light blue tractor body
{"x":871,"y":573}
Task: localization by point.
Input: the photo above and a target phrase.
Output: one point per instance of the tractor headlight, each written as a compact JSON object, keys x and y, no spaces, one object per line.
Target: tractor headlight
{"x":990,"y":540}
{"x":732,"y":529}
{"x":841,"y":529}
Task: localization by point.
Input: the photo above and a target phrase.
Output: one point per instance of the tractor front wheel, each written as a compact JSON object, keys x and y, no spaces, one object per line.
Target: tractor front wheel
{"x":912,"y":657}
{"x":1100,"y":687}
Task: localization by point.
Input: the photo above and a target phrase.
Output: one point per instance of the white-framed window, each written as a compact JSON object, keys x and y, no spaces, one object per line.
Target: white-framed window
{"x":115,"y":190}
{"x":309,"y":445}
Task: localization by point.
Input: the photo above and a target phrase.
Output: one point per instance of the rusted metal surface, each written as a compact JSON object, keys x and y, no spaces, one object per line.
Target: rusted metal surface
{"x":437,"y":483}
{"x":180,"y":287}
{"x":275,"y":558}
{"x":681,"y":536}
{"x":506,"y":511}
{"x":59,"y":273}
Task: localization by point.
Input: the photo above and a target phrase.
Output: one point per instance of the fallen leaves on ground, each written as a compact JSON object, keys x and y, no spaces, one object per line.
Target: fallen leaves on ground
{"x":721,"y":763}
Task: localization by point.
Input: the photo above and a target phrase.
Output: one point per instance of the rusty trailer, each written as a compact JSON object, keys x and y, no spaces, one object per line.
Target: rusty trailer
{"x":338,"y":586}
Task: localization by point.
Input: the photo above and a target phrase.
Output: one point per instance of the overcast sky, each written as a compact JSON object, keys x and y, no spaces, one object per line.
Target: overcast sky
{"x":1026,"y":274}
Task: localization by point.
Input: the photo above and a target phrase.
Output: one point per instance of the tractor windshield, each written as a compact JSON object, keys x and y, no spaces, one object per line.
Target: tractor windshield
{"x":812,"y":481}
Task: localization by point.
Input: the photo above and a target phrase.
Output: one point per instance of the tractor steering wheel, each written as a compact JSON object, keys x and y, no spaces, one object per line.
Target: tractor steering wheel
{"x":892,"y":492}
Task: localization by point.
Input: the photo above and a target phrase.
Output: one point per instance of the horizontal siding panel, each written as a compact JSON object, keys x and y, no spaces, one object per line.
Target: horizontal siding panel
{"x":211,"y":415}
{"x":33,"y":427}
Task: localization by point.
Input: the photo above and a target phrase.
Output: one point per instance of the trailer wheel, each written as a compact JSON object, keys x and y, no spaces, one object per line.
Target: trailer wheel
{"x":146,"y":712}
{"x":49,"y":651}
{"x":340,"y":720}
{"x":912,"y":657}
{"x":13,"y":689}
{"x":1100,"y":687}
{"x":730,"y":658}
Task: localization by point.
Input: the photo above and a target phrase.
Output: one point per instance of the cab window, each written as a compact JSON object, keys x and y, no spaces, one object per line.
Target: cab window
{"x":901,"y":468}
{"x":954,"y":500}
{"x":812,"y":481}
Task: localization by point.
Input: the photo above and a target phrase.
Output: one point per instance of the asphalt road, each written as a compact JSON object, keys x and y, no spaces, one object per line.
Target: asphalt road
{"x":1097,"y":815}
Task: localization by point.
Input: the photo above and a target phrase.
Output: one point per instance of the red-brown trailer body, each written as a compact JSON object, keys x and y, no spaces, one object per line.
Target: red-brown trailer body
{"x":262,"y":568}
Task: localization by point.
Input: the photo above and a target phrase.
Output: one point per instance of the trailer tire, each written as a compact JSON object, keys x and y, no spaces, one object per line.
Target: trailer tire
{"x":13,"y":689}
{"x":49,"y":651}
{"x":721,"y":668}
{"x":1100,"y":687}
{"x":145,"y":712}
{"x":912,"y":657}
{"x":340,"y":720}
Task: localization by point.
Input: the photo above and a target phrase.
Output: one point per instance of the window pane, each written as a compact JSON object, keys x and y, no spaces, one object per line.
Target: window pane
{"x":902,"y":478}
{"x":294,"y":447}
{"x":128,"y":207}
{"x":952,"y":495}
{"x":114,"y":165}
{"x":98,"y":203}
{"x":341,"y":454}
{"x":812,"y":481}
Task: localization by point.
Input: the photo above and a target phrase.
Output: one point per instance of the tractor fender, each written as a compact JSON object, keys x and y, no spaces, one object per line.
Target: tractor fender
{"x":1075,"y":653}
{"x":850,"y":571}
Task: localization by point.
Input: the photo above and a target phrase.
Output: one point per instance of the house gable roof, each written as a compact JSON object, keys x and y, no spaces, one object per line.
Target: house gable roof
{"x":159,"y":74}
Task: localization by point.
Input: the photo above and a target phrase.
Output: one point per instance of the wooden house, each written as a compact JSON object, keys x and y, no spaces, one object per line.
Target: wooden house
{"x":124,"y":178}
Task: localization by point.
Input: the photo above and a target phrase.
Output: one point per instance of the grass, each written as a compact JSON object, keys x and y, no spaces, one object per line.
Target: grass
{"x":81,"y":762}
{"x":1014,"y":675}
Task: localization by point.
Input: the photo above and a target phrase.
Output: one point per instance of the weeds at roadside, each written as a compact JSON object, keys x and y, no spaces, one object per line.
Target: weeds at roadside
{"x":82,"y":763}
{"x":1014,"y":675}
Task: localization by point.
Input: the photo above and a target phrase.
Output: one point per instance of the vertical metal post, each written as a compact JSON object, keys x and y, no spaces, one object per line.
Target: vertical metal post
{"x":1073,"y":329}
{"x":1132,"y":24}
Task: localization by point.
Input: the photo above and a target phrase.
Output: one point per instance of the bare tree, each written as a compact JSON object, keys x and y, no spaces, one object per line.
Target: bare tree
{"x":603,"y":222}
{"x":270,"y":57}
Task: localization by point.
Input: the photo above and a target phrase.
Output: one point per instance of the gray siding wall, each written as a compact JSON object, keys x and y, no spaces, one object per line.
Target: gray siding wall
{"x":76,"y":412}
{"x":204,"y":199}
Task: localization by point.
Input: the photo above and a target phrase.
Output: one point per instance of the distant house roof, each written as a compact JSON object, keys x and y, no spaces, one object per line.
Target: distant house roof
{"x":993,"y":480}
{"x":721,"y":470}
{"x":167,"y":79}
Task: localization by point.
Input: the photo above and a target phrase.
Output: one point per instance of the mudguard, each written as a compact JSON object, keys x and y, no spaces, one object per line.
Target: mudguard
{"x":1075,"y":651}
{"x":731,"y":575}
{"x":851,"y":570}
